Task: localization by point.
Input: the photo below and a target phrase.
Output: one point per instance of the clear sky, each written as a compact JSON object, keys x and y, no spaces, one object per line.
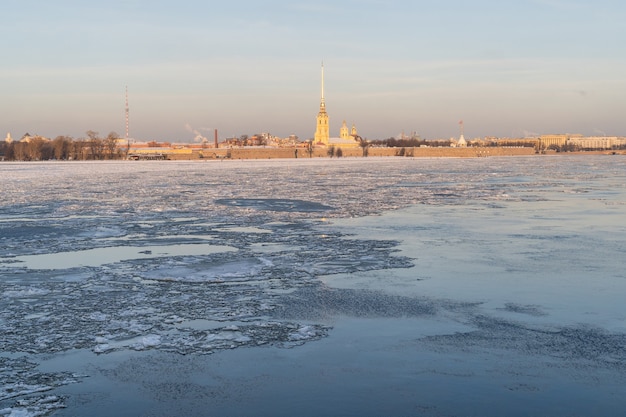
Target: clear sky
{"x":506,"y":68}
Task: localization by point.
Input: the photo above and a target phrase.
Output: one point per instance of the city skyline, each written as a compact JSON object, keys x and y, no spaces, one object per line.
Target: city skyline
{"x":505,"y":68}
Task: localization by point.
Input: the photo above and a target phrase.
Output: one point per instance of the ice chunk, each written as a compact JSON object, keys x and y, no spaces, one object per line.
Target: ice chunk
{"x":25,"y":293}
{"x":149,"y":341}
{"x":102,"y":348}
{"x":303,"y":333}
{"x":98,"y":316}
{"x":34,"y":407}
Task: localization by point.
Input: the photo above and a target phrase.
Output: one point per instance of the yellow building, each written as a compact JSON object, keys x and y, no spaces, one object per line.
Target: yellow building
{"x":344,"y":133}
{"x":546,"y":141}
{"x":347,"y":134}
{"x":322,"y":133}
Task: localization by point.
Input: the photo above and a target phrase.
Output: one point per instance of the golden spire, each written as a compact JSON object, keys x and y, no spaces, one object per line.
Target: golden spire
{"x":322,"y":102}
{"x":322,"y":134}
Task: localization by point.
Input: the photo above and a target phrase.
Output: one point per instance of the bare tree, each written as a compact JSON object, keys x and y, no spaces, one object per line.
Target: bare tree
{"x":78,"y":150}
{"x":309,"y":148}
{"x":61,"y":146}
{"x":19,"y":151}
{"x":96,"y":145}
{"x":35,"y":148}
{"x":363,"y":143}
{"x":111,"y":144}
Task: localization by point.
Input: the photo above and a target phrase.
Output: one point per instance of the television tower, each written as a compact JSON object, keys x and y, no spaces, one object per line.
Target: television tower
{"x":126,"y":112}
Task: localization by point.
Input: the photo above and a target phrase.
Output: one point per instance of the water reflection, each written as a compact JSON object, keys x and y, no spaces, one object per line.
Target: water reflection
{"x":102,"y":256}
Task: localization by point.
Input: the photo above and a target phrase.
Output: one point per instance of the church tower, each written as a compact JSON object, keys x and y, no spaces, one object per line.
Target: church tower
{"x":344,"y":133}
{"x":322,"y":132}
{"x":353,"y":132}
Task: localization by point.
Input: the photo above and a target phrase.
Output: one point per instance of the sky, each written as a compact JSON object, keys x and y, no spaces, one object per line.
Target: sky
{"x":505,"y":68}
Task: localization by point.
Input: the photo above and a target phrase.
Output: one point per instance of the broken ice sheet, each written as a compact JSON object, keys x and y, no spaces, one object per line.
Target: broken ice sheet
{"x":22,"y":385}
{"x":145,"y":283}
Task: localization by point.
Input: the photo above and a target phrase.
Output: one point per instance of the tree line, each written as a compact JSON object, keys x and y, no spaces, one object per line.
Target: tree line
{"x":409,"y":143}
{"x":573,"y":147}
{"x":63,"y":148}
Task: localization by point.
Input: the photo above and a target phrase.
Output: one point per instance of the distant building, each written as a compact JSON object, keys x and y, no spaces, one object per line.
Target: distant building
{"x":27,"y":138}
{"x":546,"y":141}
{"x":598,"y":142}
{"x":461,"y":143}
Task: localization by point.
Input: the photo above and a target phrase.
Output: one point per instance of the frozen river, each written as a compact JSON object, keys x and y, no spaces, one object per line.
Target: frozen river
{"x":344,"y":287}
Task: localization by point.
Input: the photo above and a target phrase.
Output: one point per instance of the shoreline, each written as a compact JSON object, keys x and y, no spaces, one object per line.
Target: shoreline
{"x":290,"y":153}
{"x":252,"y":153}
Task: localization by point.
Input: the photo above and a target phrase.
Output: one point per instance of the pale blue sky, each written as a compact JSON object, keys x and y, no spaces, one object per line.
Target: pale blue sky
{"x":507,"y":68}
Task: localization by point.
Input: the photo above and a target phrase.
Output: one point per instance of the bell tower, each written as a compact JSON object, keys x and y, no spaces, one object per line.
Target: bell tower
{"x":322,"y":132}
{"x":344,"y":132}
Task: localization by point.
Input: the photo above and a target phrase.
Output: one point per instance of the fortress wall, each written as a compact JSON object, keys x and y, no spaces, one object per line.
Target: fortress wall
{"x":282,"y":153}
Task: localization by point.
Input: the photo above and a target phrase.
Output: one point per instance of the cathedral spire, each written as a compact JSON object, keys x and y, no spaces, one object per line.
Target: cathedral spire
{"x":322,"y":133}
{"x":322,"y":102}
